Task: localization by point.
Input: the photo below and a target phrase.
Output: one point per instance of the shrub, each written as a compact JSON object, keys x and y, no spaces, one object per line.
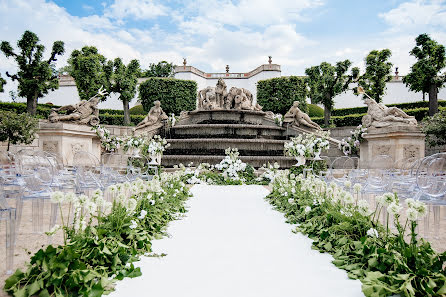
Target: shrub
{"x":17,"y":128}
{"x":118,"y":120}
{"x":315,"y":111}
{"x":277,"y":94}
{"x":175,"y":95}
{"x":138,"y":109}
{"x":403,"y":106}
{"x":435,"y":128}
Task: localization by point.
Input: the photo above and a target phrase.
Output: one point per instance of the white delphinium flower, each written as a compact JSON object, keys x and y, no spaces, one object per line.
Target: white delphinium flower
{"x":53,"y":230}
{"x":71,"y":197}
{"x":307,"y":209}
{"x":126,"y":185}
{"x":291,"y":201}
{"x":389,"y":198}
{"x":83,"y":225}
{"x":133,"y":224}
{"x":363,"y":207}
{"x":372,"y":232}
{"x":91,"y":206}
{"x":347,"y":184}
{"x":142,"y":215}
{"x":348,"y":198}
{"x":412,"y":214}
{"x":357,"y":188}
{"x":57,"y":197}
{"x":131,"y":205}
{"x":394,"y":208}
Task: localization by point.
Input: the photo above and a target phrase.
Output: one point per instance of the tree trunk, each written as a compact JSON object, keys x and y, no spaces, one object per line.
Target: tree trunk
{"x":327,"y":115}
{"x":31,"y":105}
{"x":433,"y":102}
{"x":125,"y":104}
{"x":424,"y":96}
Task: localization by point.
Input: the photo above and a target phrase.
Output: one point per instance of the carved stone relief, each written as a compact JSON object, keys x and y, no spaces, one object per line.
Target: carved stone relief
{"x":411,"y":151}
{"x":51,"y":146}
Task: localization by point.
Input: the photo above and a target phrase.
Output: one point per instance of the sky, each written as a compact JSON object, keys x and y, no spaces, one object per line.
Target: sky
{"x":211,"y":34}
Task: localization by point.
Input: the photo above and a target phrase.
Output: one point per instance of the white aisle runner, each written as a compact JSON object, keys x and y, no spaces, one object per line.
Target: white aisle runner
{"x":232,"y":244}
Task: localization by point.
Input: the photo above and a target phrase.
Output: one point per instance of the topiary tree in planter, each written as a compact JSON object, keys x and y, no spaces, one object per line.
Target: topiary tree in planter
{"x":17,"y":128}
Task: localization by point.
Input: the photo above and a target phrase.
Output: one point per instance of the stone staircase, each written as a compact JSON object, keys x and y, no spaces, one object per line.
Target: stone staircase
{"x":203,"y":136}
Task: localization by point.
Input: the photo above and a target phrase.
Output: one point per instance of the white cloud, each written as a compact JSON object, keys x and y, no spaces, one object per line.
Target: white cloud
{"x":416,"y":15}
{"x":136,"y":9}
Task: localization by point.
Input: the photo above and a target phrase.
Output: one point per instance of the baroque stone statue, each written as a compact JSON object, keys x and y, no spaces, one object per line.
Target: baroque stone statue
{"x":298,"y":118}
{"x":211,"y":98}
{"x":85,"y":112}
{"x":378,"y":115}
{"x":154,"y":118}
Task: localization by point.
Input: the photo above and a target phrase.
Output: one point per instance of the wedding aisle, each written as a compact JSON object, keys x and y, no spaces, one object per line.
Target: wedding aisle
{"x":232,"y":244}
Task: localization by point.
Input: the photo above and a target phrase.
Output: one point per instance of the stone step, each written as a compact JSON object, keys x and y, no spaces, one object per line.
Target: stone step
{"x":255,"y":161}
{"x":246,"y":131}
{"x":217,"y":146}
{"x":225,"y":116}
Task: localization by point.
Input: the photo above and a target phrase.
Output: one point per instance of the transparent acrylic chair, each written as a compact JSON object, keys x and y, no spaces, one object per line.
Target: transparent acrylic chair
{"x":36,"y":176}
{"x":7,"y":215}
{"x":431,"y":185}
{"x":87,"y":172}
{"x":341,"y":168}
{"x":137,"y":167}
{"x":378,"y":174}
{"x":324,"y":172}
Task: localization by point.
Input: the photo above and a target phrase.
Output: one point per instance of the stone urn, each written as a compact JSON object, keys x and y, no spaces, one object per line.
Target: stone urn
{"x":317,"y":155}
{"x":300,"y":160}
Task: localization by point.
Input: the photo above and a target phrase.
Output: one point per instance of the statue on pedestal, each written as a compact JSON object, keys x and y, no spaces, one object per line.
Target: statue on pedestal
{"x":298,"y":118}
{"x":155,"y":116}
{"x":214,"y":98}
{"x":378,"y":115}
{"x":84,"y":112}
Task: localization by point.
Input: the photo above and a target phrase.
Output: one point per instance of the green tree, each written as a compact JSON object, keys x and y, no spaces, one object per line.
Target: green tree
{"x":35,"y":75}
{"x":377,"y":73}
{"x":160,"y":69}
{"x":17,"y":128}
{"x":327,"y":81}
{"x":425,"y":73}
{"x":124,"y":83}
{"x":2,"y":83}
{"x":90,"y":70}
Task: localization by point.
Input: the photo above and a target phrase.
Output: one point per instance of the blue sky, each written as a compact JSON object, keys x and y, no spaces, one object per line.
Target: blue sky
{"x":212,"y":33}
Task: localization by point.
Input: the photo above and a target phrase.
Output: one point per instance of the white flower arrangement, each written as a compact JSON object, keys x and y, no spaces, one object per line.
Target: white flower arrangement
{"x":157,"y":145}
{"x":172,"y":120}
{"x":109,"y":143}
{"x":306,"y":145}
{"x":352,"y":144}
{"x":231,"y":166}
{"x":278,"y":119}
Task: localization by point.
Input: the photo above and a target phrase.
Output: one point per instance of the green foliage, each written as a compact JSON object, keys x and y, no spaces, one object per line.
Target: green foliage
{"x":90,"y":70}
{"x":425,"y":75}
{"x":138,"y":109}
{"x":93,"y":259}
{"x":278,"y":94}
{"x":2,"y":83}
{"x":315,"y":111}
{"x":326,"y":81}
{"x":355,"y":119}
{"x":435,"y":128}
{"x":124,"y":83}
{"x":35,"y":76}
{"x":161,"y":69}
{"x":17,"y":128}
{"x":118,"y":120}
{"x":386,"y":264}
{"x":377,"y":73}
{"x":175,"y":95}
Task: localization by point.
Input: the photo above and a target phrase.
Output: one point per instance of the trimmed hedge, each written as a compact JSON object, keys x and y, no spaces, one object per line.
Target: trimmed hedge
{"x":277,"y":94}
{"x":403,"y":106}
{"x":355,"y":119}
{"x":315,"y":111}
{"x":175,"y":95}
{"x":138,"y":109}
{"x":116,"y":119}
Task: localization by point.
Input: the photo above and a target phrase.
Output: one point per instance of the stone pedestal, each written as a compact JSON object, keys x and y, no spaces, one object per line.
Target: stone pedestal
{"x":398,"y":141}
{"x":66,"y":139}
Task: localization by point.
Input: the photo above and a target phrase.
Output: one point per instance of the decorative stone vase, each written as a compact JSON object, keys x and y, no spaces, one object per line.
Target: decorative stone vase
{"x":317,"y":155}
{"x":136,"y":151}
{"x":300,"y":161}
{"x":155,"y":159}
